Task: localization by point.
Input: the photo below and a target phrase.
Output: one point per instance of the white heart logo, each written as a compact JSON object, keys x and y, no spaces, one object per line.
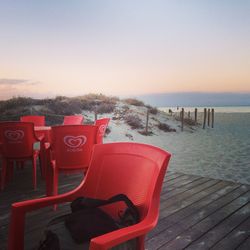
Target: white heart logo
{"x":102,"y":129}
{"x":14,"y":135}
{"x":74,"y":141}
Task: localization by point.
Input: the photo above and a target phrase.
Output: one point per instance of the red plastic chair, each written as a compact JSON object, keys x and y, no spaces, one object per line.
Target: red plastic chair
{"x":102,"y":125}
{"x":73,"y":120}
{"x":134,"y":169}
{"x":17,"y":141}
{"x":38,"y":120}
{"x":70,"y":150}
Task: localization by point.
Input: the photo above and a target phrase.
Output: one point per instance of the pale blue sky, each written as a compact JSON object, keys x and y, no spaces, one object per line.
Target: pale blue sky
{"x":123,"y":47}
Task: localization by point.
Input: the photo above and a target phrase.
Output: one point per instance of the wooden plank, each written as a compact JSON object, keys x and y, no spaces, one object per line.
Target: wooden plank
{"x":167,"y":187}
{"x":222,"y":229}
{"x":185,"y":186}
{"x":182,"y":224}
{"x":171,"y":205}
{"x":245,"y":245}
{"x":171,"y":176}
{"x":190,"y":233}
{"x":235,"y":237}
{"x":191,"y":208}
{"x":177,"y":180}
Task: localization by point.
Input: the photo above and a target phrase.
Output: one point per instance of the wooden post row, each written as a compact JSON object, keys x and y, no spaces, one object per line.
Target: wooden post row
{"x":182,"y":119}
{"x":195,"y":115}
{"x":147,"y":118}
{"x":212,"y":118}
{"x":205,"y":118}
{"x":208,"y":117}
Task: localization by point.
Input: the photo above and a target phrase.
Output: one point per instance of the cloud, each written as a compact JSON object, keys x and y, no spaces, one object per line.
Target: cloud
{"x":5,"y":81}
{"x":17,"y":87}
{"x":12,"y":82}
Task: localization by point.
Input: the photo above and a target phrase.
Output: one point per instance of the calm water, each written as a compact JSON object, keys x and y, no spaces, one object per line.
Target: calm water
{"x":227,"y":109}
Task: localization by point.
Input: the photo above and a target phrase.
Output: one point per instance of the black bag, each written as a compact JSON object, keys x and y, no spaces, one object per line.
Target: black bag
{"x":88,"y":220}
{"x":51,"y":241}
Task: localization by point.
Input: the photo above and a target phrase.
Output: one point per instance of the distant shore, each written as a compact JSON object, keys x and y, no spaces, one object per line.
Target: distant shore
{"x":218,"y":109}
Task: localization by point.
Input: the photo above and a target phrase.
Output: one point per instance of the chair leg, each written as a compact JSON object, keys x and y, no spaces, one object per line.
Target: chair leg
{"x":10,"y":170}
{"x":34,"y":171}
{"x":20,"y":164}
{"x":41,"y":166}
{"x":3,"y":173}
{"x":55,"y":185}
{"x":42,"y":160}
{"x":141,"y":242}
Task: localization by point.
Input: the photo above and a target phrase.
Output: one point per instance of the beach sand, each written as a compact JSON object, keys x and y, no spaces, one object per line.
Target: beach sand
{"x":221,"y":153}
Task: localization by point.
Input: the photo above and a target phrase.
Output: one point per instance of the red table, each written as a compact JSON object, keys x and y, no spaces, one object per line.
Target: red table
{"x":45,"y":131}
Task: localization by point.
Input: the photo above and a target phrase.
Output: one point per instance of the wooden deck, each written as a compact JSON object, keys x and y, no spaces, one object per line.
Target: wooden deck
{"x":196,"y":212}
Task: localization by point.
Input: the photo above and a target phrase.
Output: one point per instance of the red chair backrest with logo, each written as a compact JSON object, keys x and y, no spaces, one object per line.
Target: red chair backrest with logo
{"x":102,"y":125}
{"x":17,"y":143}
{"x":72,"y":145}
{"x":17,"y":139}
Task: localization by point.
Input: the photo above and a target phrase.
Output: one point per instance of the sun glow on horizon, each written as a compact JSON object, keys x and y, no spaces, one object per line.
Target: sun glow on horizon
{"x":124,"y":47}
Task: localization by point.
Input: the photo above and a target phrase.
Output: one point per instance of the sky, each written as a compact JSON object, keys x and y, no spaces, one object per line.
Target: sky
{"x":123,"y":48}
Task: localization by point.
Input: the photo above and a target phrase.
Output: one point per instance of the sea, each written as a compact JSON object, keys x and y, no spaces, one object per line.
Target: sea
{"x":226,"y":109}
{"x":221,"y":152}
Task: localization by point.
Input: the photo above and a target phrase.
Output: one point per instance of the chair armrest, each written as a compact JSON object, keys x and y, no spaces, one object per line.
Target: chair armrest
{"x":120,"y":236}
{"x":30,"y":205}
{"x":18,"y":211}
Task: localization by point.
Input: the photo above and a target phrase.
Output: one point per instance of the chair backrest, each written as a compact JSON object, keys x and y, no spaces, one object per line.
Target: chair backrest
{"x":38,"y":120}
{"x":72,"y":145}
{"x":73,"y":120}
{"x":17,"y":139}
{"x":134,"y":169}
{"x":102,"y":125}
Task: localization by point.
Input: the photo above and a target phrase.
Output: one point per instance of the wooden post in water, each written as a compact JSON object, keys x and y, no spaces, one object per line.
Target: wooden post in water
{"x":182,"y":119}
{"x":208,"y":117}
{"x":147,"y":118}
{"x":212,"y":118}
{"x":195,"y":115}
{"x":205,"y":118}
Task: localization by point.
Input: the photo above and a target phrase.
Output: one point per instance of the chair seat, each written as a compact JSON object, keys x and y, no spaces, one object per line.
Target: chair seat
{"x":68,"y":243}
{"x":69,"y":169}
{"x":35,"y":154}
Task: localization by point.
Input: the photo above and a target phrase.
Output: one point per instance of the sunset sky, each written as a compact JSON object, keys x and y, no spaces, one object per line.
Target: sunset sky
{"x":123,"y":47}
